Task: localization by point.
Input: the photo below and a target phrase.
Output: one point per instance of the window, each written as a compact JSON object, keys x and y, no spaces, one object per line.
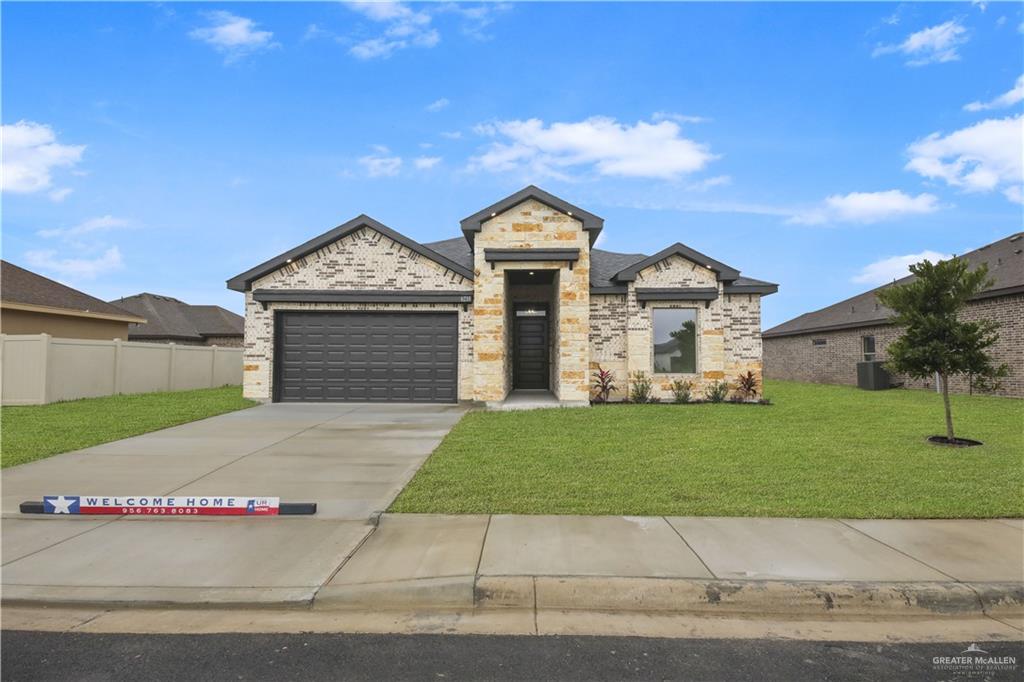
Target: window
{"x":819,"y":342}
{"x":868,"y":344}
{"x":675,"y":340}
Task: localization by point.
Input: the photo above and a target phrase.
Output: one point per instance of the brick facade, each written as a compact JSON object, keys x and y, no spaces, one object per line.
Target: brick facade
{"x":613,"y":331}
{"x":728,"y":330}
{"x":796,"y":358}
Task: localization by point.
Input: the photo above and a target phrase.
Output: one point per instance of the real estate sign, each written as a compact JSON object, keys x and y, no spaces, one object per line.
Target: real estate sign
{"x":173,"y":505}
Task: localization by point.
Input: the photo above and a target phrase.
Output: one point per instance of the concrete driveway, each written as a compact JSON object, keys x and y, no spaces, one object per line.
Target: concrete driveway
{"x":351,"y":459}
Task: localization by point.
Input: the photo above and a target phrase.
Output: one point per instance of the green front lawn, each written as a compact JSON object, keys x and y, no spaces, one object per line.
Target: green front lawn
{"x":34,"y":432}
{"x":827,"y":451}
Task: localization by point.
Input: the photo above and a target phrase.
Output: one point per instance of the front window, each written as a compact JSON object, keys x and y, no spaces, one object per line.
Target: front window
{"x":675,"y":340}
{"x":868,"y":343}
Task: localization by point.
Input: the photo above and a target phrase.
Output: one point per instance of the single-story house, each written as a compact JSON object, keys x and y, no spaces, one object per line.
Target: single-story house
{"x":522,"y":301}
{"x":825,"y":346}
{"x":33,"y":304}
{"x":169,"y":320}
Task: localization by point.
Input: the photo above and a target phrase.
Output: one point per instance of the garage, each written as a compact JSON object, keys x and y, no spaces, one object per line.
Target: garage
{"x":366,"y":357}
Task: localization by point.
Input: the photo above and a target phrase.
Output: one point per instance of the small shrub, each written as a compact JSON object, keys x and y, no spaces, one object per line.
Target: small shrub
{"x":640,"y":387}
{"x":747,"y":386}
{"x":604,"y":384}
{"x":716,"y":392}
{"x":682,"y":391}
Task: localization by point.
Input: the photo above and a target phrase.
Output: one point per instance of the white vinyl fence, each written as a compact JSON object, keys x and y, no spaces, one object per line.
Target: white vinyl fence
{"x":38,"y":369}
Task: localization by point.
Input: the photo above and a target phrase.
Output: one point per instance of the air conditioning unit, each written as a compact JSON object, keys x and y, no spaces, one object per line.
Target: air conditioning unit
{"x":872,"y":376}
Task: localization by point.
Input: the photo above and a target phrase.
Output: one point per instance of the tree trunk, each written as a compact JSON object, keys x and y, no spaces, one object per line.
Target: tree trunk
{"x":949,"y":413}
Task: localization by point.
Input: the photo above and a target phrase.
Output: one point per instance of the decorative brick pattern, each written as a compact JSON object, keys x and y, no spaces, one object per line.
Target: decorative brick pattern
{"x":795,"y":358}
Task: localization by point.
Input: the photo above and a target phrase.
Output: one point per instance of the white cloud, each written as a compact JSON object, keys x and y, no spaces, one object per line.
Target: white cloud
{"x":678,"y":118}
{"x":438,"y":105}
{"x":75,"y":268}
{"x":59,"y":195}
{"x":426,"y":162}
{"x":476,"y":18}
{"x":980,"y":158}
{"x":889,"y":269}
{"x":452,"y":135}
{"x":30,"y":155}
{"x":93,"y":225}
{"x":404,"y":28}
{"x":708,"y":183}
{"x":1007,"y":99}
{"x":233,"y":36}
{"x":867,"y":207}
{"x":644,"y":150}
{"x":381,"y":163}
{"x":931,"y":45}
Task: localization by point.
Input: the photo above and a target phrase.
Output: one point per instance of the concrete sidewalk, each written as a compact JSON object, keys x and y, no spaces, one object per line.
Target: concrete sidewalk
{"x":708,"y":565}
{"x":724,"y":566}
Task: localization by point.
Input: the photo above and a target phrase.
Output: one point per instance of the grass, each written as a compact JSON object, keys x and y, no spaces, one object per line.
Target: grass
{"x":28,"y":433}
{"x":818,"y":451}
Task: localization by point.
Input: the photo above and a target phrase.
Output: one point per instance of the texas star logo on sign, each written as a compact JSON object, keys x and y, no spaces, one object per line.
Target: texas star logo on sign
{"x":173,"y":505}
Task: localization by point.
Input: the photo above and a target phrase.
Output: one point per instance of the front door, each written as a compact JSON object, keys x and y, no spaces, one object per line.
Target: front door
{"x":530,"y":351}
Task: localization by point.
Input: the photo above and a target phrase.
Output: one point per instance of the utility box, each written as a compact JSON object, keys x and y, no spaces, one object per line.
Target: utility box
{"x":872,"y":376}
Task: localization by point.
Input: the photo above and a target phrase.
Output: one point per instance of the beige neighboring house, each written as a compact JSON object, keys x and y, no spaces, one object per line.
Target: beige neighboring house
{"x":825,"y":346}
{"x":521,"y":302}
{"x":33,"y":304}
{"x":169,"y":320}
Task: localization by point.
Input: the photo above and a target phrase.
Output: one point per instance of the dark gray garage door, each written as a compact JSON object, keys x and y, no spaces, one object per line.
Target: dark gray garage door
{"x":367,"y":357}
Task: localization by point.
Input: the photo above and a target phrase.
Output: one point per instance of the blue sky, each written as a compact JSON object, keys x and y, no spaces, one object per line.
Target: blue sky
{"x":167,"y":147}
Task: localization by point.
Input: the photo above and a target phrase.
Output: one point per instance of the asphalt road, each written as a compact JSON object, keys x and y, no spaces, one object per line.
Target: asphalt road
{"x":74,"y":656}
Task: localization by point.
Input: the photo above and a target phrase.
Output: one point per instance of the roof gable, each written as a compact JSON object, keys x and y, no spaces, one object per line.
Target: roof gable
{"x":474,"y":223}
{"x":243,"y":281}
{"x":723,"y":272}
{"x":168,"y":317}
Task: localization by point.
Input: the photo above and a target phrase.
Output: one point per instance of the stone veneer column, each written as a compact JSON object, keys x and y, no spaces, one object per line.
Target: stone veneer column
{"x":532,"y":225}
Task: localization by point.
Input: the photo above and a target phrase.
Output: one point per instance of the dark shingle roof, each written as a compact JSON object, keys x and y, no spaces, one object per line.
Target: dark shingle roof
{"x":1005,"y":267}
{"x":169,"y":318}
{"x":18,"y":285}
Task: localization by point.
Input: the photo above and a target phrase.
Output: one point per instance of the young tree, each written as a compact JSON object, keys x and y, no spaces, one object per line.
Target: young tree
{"x":935,"y":340}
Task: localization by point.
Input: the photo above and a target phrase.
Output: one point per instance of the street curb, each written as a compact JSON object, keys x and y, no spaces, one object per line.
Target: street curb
{"x":698,"y":596}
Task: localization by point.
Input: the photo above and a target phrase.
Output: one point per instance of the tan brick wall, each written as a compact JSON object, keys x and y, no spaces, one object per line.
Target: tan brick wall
{"x":363,"y":260}
{"x":608,"y":328}
{"x":794,"y":358}
{"x":532,"y":225}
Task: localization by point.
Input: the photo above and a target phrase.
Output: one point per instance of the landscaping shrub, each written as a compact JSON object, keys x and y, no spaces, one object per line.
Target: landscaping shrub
{"x":604,"y":384}
{"x":682,"y":391}
{"x":747,"y":386}
{"x":640,"y":387}
{"x":716,"y":392}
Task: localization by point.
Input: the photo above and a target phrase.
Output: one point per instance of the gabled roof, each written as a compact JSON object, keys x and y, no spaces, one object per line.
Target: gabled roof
{"x":723,"y":271}
{"x":169,"y":318}
{"x":473,"y":224}
{"x":1005,"y":267}
{"x":24,"y":289}
{"x":243,"y":281}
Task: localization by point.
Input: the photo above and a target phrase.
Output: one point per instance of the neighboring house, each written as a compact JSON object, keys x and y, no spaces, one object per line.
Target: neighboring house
{"x":33,"y":304}
{"x":825,"y":346}
{"x":170,"y":320}
{"x":521,"y":301}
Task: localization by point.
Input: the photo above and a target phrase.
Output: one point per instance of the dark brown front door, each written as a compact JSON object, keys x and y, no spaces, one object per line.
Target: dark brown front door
{"x":530,"y":351}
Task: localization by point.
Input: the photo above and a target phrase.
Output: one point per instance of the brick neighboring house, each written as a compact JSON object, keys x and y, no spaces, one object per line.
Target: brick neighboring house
{"x":521,"y":301}
{"x":824,"y":346}
{"x":170,"y":320}
{"x":33,"y":304}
